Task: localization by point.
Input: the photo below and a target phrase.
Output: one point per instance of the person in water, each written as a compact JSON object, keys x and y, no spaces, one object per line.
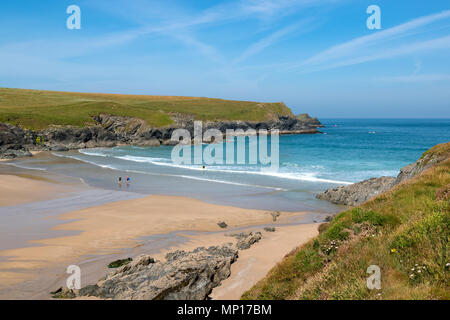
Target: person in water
{"x":128,"y":181}
{"x":120,"y":181}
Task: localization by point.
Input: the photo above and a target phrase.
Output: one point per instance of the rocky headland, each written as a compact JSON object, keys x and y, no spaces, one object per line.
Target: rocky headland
{"x":110,"y":131}
{"x":358,"y":193}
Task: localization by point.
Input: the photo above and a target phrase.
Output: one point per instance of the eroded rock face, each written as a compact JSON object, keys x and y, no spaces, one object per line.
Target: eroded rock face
{"x":360,"y":192}
{"x":247,"y":241}
{"x":183,"y":276}
{"x":420,"y":165}
{"x":14,"y":141}
{"x":357,"y":193}
{"x":305,"y":118}
{"x":110,"y":131}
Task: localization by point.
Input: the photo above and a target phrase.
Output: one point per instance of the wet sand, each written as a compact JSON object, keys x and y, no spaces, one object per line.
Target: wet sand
{"x":28,"y":188}
{"x":94,"y":236}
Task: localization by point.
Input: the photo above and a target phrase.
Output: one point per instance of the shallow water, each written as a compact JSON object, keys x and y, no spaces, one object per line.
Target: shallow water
{"x":349,"y":151}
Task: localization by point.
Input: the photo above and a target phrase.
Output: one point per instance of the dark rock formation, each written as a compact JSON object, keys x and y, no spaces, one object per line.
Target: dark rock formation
{"x":14,"y":141}
{"x":358,"y":193}
{"x":222,"y":224}
{"x":306,"y":119}
{"x":63,"y":293}
{"x":119,"y":263}
{"x":110,"y":131}
{"x":183,"y":276}
{"x":269,"y":229}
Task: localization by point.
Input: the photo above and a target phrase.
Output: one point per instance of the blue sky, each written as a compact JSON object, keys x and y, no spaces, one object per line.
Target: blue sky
{"x":318,"y":56}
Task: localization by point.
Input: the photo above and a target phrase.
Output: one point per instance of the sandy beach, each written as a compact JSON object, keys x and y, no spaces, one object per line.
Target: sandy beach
{"x":119,"y":228}
{"x":19,"y":189}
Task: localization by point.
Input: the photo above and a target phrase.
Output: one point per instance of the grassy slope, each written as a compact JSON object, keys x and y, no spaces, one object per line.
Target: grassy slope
{"x":36,"y":109}
{"x":402,"y":231}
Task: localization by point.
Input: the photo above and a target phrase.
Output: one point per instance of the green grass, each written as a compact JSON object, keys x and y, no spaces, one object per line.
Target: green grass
{"x":36,"y":109}
{"x":404,"y":231}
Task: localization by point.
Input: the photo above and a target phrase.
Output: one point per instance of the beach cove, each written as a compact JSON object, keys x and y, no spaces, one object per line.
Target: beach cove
{"x":66,"y":226}
{"x":63,"y":208}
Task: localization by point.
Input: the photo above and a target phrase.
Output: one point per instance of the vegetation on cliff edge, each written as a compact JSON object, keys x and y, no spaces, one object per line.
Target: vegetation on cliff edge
{"x":404,"y":231}
{"x":36,"y":109}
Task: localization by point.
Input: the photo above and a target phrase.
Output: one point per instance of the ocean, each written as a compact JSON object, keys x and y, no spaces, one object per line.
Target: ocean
{"x":348,"y":151}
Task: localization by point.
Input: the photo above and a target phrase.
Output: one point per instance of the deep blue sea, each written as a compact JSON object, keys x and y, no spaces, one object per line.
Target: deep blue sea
{"x":349,"y":150}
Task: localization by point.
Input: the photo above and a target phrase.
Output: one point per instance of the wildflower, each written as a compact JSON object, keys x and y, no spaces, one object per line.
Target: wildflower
{"x":393,"y":250}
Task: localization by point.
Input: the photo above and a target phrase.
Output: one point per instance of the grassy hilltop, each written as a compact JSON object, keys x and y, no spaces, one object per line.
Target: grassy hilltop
{"x":404,"y":231}
{"x":36,"y":109}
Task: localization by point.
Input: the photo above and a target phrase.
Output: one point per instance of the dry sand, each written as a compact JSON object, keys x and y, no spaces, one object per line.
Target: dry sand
{"x":254,"y":263}
{"x":108,"y":229}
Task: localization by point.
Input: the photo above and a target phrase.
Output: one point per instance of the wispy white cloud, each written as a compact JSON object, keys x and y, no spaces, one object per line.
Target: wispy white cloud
{"x":360,"y":50}
{"x":205,"y":49}
{"x":277,"y":7}
{"x":268,"y":41}
{"x":175,"y":21}
{"x":387,"y":53}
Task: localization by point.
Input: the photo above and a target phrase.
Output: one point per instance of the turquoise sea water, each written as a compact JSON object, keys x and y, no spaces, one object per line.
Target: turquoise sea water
{"x":350,"y":150}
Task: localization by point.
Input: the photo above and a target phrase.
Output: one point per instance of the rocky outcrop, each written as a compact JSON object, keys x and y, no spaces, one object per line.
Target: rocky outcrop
{"x":110,"y":131}
{"x":306,"y":119}
{"x":363,"y":191}
{"x":425,"y":162}
{"x":14,"y":141}
{"x":183,"y":276}
{"x":247,"y":241}
{"x":358,"y":193}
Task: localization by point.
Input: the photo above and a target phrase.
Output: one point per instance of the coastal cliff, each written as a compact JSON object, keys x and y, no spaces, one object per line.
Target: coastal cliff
{"x":60,"y":121}
{"x":111,"y":131}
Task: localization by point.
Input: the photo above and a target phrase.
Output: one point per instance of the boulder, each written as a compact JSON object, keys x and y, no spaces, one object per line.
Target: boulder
{"x":222,"y":224}
{"x":246,"y":242}
{"x":13,"y":152}
{"x":275,"y":215}
{"x":119,"y":263}
{"x":183,"y":276}
{"x":59,"y":148}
